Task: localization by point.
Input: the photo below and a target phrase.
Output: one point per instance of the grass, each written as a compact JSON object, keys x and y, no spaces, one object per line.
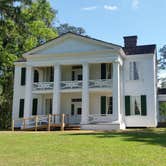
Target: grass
{"x":145,"y":147}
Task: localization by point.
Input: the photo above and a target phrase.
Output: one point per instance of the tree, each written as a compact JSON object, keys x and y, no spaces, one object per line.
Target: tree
{"x":64,"y":28}
{"x":10,"y":9}
{"x":162,"y":64}
{"x":27,"y":26}
{"x":162,"y":109}
{"x":162,"y":60}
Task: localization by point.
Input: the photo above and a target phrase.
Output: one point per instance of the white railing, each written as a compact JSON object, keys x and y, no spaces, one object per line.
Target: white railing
{"x":100,"y":83}
{"x":71,"y":84}
{"x":43,"y":86}
{"x":99,"y":118}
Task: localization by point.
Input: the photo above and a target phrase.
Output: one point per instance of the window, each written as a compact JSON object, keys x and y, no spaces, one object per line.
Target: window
{"x":109,"y":105}
{"x":76,"y":100}
{"x":23,"y":75}
{"x":135,"y":105}
{"x":76,"y":73}
{"x":21,"y":108}
{"x":106,"y":71}
{"x":106,"y":105}
{"x":48,"y":106}
{"x":134,"y":73}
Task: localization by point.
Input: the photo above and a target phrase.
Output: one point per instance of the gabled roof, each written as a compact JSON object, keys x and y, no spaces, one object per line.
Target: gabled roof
{"x":142,"y":49}
{"x":100,"y":42}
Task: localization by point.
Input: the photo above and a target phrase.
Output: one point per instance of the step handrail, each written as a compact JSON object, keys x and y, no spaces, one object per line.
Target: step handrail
{"x":35,"y":121}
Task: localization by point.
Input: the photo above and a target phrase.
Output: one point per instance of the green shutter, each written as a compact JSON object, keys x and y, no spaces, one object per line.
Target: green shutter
{"x":143,"y":105}
{"x":23,"y":75}
{"x":21,"y":108}
{"x":36,"y":76}
{"x":50,"y":106}
{"x":103,"y":71}
{"x":72,"y":109}
{"x":127,"y":105}
{"x":103,"y":104}
{"x":34,"y":107}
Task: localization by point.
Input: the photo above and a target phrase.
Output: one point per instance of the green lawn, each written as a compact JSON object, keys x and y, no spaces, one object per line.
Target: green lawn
{"x":129,"y":148}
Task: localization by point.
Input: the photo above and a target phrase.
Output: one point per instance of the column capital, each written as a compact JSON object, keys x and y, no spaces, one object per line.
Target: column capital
{"x":85,"y":63}
{"x":56,"y":64}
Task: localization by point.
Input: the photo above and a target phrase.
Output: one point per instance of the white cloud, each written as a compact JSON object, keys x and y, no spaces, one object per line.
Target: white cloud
{"x":110,"y":7}
{"x":135,"y":3}
{"x":90,"y":8}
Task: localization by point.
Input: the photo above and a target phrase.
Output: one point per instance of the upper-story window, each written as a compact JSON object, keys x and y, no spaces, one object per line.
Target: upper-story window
{"x":77,"y":73}
{"x":134,"y":71}
{"x":106,"y":71}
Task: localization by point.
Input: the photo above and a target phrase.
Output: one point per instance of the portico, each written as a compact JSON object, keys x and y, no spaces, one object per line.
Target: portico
{"x":64,"y":85}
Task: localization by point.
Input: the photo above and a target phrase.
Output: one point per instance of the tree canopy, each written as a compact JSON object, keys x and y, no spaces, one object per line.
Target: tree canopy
{"x":162,"y":64}
{"x":162,"y":60}
{"x":23,"y":25}
{"x":64,"y":28}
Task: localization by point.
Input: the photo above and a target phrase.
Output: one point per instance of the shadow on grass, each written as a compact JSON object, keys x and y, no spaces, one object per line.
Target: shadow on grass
{"x":148,"y":136}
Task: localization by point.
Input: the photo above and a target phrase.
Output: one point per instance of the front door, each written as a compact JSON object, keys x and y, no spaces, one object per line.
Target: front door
{"x":76,"y":111}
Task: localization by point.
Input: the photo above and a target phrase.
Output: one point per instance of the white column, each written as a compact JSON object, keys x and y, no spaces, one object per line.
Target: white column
{"x":116,"y":90}
{"x":85,"y":94}
{"x":56,"y":90}
{"x":28,"y":92}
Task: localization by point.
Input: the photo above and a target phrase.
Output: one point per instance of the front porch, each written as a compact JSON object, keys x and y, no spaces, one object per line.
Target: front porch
{"x":100,"y":108}
{"x":85,"y":92}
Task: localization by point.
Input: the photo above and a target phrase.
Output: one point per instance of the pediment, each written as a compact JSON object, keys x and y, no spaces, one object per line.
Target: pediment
{"x":71,"y":43}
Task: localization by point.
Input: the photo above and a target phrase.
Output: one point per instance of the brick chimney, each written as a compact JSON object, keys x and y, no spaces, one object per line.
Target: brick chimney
{"x":130,"y":41}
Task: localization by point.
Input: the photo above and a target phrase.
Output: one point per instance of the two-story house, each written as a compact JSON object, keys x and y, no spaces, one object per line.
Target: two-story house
{"x":99,"y":85}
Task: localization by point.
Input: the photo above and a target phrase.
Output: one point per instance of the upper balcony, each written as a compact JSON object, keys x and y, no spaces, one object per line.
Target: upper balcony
{"x":100,"y":76}
{"x":41,"y":86}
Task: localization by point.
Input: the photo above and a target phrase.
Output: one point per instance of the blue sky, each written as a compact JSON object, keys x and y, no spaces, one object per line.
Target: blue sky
{"x":110,"y":20}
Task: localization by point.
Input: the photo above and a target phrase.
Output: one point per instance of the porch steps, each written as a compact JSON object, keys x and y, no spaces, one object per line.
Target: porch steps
{"x":71,"y":127}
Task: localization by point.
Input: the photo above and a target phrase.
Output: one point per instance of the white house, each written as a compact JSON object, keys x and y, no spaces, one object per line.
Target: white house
{"x":100,"y":85}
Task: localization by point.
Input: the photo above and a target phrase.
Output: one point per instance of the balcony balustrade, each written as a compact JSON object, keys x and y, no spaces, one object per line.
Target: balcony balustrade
{"x":37,"y":86}
{"x":100,"y":83}
{"x":71,"y":84}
